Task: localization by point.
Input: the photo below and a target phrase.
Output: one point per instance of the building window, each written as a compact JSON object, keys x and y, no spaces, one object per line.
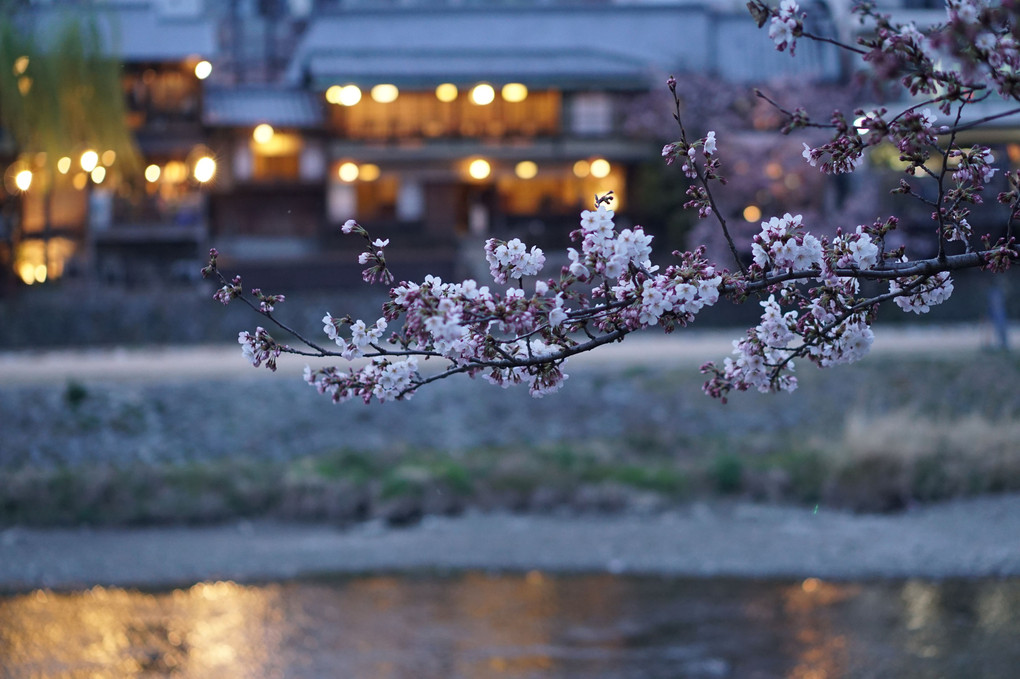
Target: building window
{"x":591,"y":114}
{"x":424,"y":114}
{"x":277,"y":159}
{"x":161,"y":93}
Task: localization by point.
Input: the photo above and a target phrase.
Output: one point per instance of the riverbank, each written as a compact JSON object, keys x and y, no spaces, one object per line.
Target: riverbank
{"x":162,"y":467}
{"x":966,"y":538}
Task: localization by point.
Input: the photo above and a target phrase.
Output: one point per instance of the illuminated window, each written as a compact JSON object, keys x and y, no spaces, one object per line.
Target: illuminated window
{"x":443,"y":113}
{"x":278,"y":158}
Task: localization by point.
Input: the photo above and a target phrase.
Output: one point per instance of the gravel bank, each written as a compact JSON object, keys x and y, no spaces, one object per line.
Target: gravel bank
{"x":183,"y":405}
{"x":975,"y":538}
{"x":170,"y":406}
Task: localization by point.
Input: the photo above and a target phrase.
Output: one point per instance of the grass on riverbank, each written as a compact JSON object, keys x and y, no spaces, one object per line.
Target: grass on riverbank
{"x":876,"y":464}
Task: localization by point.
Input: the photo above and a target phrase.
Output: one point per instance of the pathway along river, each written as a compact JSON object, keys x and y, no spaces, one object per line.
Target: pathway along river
{"x":516,"y":626}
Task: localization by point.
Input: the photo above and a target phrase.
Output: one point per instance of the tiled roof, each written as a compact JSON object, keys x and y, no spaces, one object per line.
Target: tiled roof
{"x":136,"y":33}
{"x":565,"y":46}
{"x":544,"y":42}
{"x":253,"y":105}
{"x":429,"y":67}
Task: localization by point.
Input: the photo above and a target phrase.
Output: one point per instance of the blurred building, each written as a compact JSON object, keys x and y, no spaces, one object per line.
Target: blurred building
{"x":265,"y":124}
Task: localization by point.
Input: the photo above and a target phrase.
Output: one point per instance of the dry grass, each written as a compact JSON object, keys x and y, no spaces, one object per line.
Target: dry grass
{"x":888,"y":462}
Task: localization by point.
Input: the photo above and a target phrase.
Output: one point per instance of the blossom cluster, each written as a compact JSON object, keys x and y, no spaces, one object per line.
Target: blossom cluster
{"x":783,"y":244}
{"x":827,"y":324}
{"x":511,"y":260}
{"x":259,"y":348}
{"x":362,"y":335}
{"x":382,"y":379}
{"x":604,"y":252}
{"x":786,"y":26}
{"x":925,"y":292}
{"x":522,"y":328}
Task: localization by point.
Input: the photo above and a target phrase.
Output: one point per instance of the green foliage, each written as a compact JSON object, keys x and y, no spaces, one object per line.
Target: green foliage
{"x":60,"y":90}
{"x":727,"y":473}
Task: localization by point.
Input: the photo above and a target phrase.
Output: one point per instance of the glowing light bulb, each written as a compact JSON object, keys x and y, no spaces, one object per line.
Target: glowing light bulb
{"x":89,"y":160}
{"x":385,"y":93}
{"x":479,"y":168}
{"x":600,"y":168}
{"x":263,"y":133}
{"x":514,"y":92}
{"x":446,"y":92}
{"x":203,"y":70}
{"x":483,"y":94}
{"x":526,"y":169}
{"x":348,"y":172}
{"x":205,"y":169}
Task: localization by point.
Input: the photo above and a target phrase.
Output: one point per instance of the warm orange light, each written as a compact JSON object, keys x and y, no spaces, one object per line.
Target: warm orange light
{"x":80,"y":180}
{"x":752,"y":213}
{"x":89,"y":160}
{"x":600,"y":168}
{"x":514,"y":92}
{"x":109,"y":157}
{"x":582,"y":169}
{"x":526,"y":169}
{"x":64,"y":165}
{"x":446,"y":92}
{"x":483,"y":94}
{"x":175,"y":172}
{"x":20,"y":65}
{"x":98,"y":174}
{"x":26,"y":271}
{"x":348,"y":172}
{"x":205,"y":169}
{"x":23,"y":180}
{"x":385,"y":93}
{"x":203,"y":70}
{"x":368,"y":172}
{"x":263,"y":133}
{"x":479,"y":168}
{"x":349,"y":95}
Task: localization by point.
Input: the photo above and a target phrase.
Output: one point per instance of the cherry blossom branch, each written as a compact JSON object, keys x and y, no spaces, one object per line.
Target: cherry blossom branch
{"x":610,"y":287}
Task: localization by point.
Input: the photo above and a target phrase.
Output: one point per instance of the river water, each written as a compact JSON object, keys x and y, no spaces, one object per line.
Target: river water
{"x":477,"y":625}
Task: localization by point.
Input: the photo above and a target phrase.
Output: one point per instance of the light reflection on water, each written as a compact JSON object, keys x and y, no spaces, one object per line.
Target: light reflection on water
{"x":516,"y":626}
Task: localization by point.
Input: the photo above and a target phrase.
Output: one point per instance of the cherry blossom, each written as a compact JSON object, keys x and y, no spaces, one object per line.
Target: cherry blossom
{"x":808,"y":278}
